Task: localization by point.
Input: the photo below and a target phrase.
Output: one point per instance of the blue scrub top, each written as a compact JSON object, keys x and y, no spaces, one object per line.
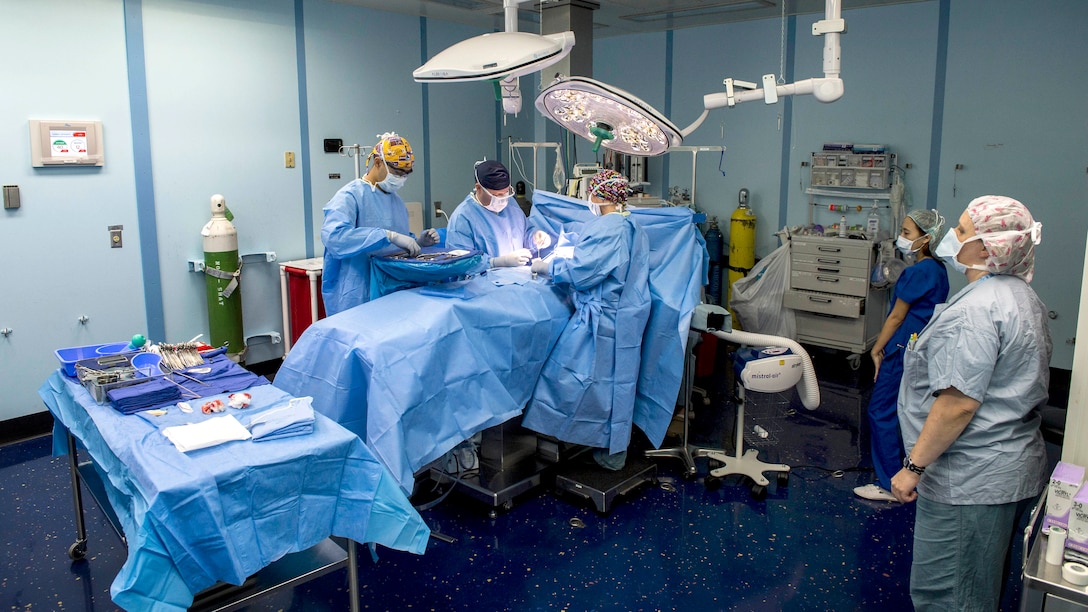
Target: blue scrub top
{"x":474,"y":227}
{"x":991,"y":342}
{"x":354,"y":229}
{"x":922,"y":286}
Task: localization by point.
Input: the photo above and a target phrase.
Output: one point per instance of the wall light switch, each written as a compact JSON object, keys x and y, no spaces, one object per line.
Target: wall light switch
{"x":289,"y":159}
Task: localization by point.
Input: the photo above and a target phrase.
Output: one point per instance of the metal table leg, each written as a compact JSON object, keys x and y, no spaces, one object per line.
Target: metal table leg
{"x":353,"y":577}
{"x":78,"y":550}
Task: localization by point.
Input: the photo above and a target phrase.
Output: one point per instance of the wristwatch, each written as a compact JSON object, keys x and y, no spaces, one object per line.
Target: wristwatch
{"x":907,"y":463}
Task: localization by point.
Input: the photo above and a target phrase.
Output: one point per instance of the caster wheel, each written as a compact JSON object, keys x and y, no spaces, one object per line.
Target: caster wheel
{"x":690,"y":474}
{"x":854,"y":361}
{"x":492,"y":514}
{"x":507,"y":506}
{"x":759,"y":492}
{"x":712,"y":483}
{"x":783,"y":479}
{"x":77,"y":551}
{"x":714,"y":464}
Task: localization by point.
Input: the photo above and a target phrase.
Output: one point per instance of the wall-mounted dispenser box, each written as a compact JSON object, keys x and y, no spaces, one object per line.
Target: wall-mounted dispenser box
{"x":11,"y":196}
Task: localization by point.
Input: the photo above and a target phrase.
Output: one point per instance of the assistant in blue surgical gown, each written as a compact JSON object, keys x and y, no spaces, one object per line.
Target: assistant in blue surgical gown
{"x":586,"y":391}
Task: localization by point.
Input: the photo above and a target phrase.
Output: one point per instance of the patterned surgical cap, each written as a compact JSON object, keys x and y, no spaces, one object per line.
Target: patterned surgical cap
{"x":394,"y":151}
{"x":609,"y":185}
{"x":1009,"y":233}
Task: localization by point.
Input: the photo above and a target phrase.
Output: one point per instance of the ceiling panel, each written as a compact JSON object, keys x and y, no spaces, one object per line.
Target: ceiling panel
{"x":616,"y":17}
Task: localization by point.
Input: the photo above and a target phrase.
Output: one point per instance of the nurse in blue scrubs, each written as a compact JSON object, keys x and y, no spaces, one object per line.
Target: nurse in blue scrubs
{"x":919,"y":289}
{"x":586,"y":391}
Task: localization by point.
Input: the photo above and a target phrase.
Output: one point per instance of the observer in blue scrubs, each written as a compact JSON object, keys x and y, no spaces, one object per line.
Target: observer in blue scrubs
{"x":919,"y":289}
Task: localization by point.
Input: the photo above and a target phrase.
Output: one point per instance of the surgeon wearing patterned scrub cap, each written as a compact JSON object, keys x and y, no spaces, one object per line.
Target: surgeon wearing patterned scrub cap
{"x":586,"y":390}
{"x":969,"y":406}
{"x":365,"y":217}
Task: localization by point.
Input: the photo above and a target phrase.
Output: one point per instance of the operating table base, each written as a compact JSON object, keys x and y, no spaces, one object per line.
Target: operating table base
{"x":590,"y":481}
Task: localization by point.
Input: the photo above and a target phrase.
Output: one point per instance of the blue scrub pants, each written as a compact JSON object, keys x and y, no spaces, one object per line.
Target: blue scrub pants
{"x":961,"y":554}
{"x":886,"y":442}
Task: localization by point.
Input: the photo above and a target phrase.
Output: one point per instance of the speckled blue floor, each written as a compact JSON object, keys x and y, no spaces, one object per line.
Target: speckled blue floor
{"x":674,"y":545}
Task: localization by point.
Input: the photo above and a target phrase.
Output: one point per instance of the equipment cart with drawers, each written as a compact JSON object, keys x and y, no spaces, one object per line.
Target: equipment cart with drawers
{"x":829,"y":290}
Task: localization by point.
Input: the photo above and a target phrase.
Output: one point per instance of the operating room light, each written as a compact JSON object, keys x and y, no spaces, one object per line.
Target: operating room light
{"x":615,"y":119}
{"x":502,"y":57}
{"x":608,"y":116}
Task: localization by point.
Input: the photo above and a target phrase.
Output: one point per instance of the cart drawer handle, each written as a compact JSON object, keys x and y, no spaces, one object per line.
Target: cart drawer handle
{"x":827,"y":279}
{"x":831,"y":270}
{"x":827,"y":249}
{"x":820,"y":300}
{"x":828,"y":261}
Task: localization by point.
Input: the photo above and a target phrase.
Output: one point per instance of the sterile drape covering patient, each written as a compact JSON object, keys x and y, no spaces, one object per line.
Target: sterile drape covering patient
{"x":366,"y":217}
{"x":484,"y":221}
{"x":416,"y":372}
{"x":586,"y":391}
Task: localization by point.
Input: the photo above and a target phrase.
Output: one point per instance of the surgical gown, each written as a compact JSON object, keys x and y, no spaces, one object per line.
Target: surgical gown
{"x":472,"y":226}
{"x":586,"y":391}
{"x":354,"y":229}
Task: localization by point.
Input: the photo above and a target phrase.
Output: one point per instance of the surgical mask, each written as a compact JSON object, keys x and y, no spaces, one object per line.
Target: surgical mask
{"x":497,"y":204}
{"x":392,"y":182}
{"x":594,"y":208}
{"x":949,"y":249}
{"x":906,"y":245}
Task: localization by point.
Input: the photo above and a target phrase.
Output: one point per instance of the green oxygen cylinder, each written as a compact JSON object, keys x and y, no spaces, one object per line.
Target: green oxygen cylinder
{"x":222,"y":273}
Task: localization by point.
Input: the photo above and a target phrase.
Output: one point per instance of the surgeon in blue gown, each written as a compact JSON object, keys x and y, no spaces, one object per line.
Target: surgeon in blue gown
{"x":486,"y":222}
{"x":586,"y":390}
{"x":367,"y":217}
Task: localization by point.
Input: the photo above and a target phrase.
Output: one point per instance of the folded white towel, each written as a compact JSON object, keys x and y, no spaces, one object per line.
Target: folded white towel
{"x":211,"y":432}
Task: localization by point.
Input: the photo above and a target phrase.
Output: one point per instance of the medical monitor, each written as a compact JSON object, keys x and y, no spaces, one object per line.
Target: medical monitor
{"x":65,"y":143}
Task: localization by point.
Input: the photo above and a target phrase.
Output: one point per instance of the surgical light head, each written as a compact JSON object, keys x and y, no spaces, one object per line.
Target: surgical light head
{"x":608,"y":116}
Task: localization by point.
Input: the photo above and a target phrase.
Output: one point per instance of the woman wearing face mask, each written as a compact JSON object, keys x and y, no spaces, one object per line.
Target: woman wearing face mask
{"x":973,"y":386}
{"x":486,"y":222}
{"x":364,"y":217}
{"x":586,"y":391}
{"x":920,"y":287}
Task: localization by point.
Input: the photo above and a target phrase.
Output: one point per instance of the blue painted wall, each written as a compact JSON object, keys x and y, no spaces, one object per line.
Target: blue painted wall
{"x":222,"y":80}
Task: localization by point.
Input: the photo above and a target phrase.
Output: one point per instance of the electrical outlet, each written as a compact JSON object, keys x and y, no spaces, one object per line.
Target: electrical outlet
{"x":437,"y":208}
{"x":289,"y":159}
{"x":115,"y":236}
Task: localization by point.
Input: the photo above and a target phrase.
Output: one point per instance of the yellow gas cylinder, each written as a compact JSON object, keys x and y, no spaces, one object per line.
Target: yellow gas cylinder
{"x":742,"y":246}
